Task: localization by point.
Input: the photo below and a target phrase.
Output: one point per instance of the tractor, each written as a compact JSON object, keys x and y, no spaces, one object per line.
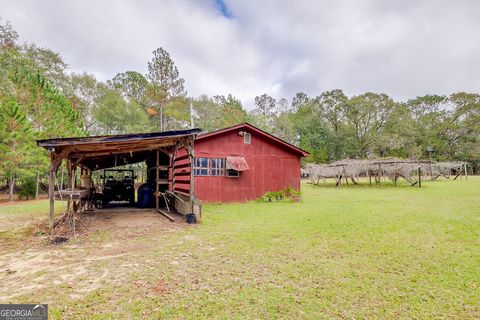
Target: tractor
{"x":118,"y":185}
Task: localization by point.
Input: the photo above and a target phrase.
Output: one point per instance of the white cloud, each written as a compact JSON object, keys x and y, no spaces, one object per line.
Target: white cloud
{"x":402,"y":48}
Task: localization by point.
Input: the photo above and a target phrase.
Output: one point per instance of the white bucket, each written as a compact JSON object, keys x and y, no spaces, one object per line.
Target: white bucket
{"x":85,"y":182}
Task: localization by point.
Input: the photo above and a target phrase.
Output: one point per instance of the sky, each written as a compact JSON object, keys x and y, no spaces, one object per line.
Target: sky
{"x":404,"y":48}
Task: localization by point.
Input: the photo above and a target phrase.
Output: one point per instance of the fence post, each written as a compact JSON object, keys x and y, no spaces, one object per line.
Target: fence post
{"x":419,"y":177}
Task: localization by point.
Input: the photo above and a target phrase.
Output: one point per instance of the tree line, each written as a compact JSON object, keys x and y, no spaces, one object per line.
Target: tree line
{"x":40,"y":98}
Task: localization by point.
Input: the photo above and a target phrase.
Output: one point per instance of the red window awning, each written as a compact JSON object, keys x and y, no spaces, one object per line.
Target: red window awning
{"x":237,"y":163}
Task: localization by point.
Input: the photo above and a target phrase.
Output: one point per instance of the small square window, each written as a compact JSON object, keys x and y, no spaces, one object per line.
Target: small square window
{"x":201,"y":167}
{"x":218,"y":166}
{"x":246,"y":138}
{"x":233,"y":173}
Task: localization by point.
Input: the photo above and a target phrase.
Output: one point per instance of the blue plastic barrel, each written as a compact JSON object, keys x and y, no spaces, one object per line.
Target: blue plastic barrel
{"x":190,"y":218}
{"x":145,"y":196}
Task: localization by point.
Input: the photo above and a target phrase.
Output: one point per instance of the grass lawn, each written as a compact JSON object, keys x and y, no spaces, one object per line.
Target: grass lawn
{"x":32,"y":207}
{"x":349,"y":252}
{"x":14,"y":216}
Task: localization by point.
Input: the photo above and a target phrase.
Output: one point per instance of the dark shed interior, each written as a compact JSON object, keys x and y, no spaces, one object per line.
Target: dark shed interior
{"x":157,"y":149}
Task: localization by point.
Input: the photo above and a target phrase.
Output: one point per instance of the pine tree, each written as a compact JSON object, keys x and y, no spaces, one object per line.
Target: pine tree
{"x":165,"y":83}
{"x":16,"y":142}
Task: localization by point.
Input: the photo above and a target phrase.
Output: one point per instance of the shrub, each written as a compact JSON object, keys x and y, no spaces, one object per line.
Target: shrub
{"x":27,"y":189}
{"x":286,"y":195}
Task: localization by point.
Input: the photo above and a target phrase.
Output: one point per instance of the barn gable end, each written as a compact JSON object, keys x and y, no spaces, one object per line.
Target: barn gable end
{"x":273,"y":164}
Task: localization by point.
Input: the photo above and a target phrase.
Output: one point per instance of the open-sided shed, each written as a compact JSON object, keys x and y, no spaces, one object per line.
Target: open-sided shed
{"x":173,"y":172}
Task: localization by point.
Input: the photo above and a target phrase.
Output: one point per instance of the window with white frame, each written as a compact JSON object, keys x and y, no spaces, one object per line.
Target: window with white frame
{"x":246,"y":138}
{"x":209,"y":167}
{"x":217,"y":166}
{"x":201,"y":167}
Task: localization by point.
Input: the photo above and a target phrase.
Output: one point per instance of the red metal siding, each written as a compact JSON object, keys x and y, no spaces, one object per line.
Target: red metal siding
{"x":272,"y":168}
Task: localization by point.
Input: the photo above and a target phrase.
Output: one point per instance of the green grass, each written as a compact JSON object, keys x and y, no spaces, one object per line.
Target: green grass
{"x":358,"y":252}
{"x":16,"y":219}
{"x":33,"y":208}
{"x":348,"y":253}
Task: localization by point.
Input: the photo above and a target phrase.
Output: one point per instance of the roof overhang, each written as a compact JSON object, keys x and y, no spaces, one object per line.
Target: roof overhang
{"x":100,"y":152}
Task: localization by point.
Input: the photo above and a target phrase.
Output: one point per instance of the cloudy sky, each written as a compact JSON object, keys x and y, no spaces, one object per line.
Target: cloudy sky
{"x":403,"y":48}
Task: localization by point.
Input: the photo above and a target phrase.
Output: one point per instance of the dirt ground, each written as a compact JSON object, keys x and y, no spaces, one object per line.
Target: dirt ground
{"x":106,"y":252}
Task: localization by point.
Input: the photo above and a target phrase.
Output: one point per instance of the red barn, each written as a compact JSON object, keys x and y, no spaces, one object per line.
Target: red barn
{"x":234,"y":164}
{"x":242,"y":163}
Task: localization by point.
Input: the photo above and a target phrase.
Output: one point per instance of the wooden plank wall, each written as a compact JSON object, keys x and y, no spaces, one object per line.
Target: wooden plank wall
{"x":181,"y":172}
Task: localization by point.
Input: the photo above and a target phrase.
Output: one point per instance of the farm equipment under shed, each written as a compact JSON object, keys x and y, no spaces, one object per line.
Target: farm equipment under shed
{"x":118,"y":185}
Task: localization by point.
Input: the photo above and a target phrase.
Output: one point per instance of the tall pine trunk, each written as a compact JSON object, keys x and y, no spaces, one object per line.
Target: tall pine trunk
{"x":37,"y":183}
{"x":161,"y":118}
{"x":11,"y":186}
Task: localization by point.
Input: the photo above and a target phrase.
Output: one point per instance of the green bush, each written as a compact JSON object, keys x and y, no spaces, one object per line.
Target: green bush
{"x":27,"y":189}
{"x":288,"y":194}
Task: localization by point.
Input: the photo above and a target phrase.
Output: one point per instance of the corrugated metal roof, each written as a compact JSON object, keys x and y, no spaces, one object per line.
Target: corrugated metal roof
{"x":116,"y":138}
{"x":100,"y":152}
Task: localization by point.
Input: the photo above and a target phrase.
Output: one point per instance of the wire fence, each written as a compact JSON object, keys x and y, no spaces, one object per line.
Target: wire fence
{"x":391,"y":168}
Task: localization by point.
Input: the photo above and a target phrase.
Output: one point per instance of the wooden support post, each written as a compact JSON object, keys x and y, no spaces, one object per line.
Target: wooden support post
{"x":189,"y":146}
{"x":166,"y":215}
{"x":465,"y":168}
{"x":55,"y":162}
{"x":61,"y":181}
{"x":174,"y":156}
{"x":395,"y":176}
{"x":419,"y":177}
{"x":69,"y":183}
{"x":338,"y":180}
{"x":192,"y":178}
{"x":157,"y":177}
{"x":74,"y":207}
{"x":51,"y":190}
{"x":378,"y":177}
{"x":459,"y":174}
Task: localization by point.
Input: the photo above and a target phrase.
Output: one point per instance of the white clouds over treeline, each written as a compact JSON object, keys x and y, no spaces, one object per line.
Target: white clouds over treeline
{"x":402,"y":48}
